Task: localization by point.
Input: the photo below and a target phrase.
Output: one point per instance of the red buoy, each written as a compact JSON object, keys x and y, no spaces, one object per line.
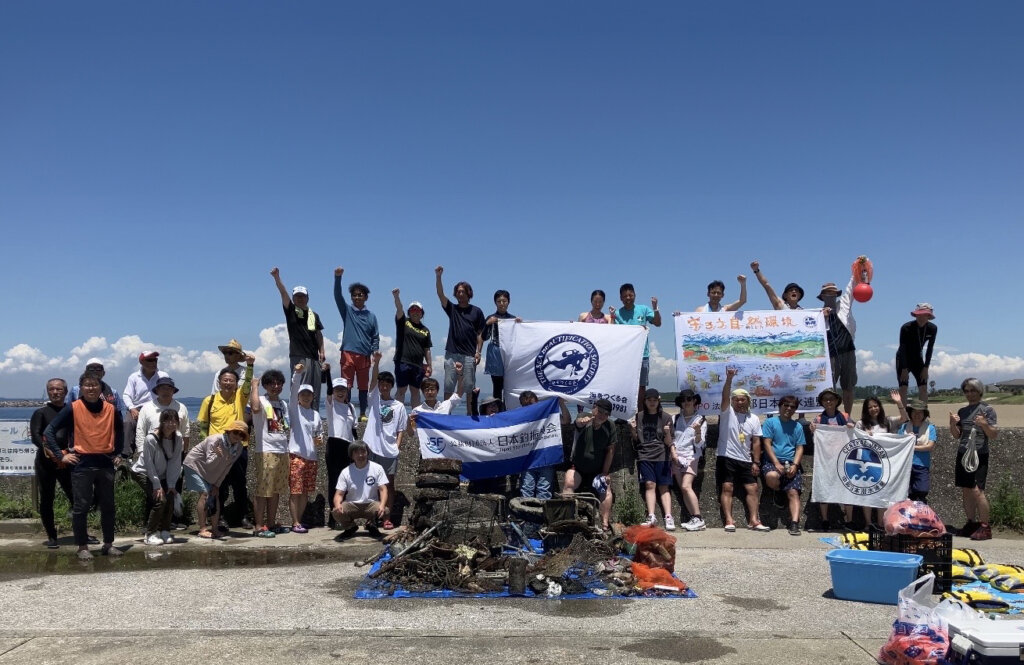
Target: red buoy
{"x":863,"y":292}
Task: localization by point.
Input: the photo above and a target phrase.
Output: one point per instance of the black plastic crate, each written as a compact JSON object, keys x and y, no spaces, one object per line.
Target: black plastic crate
{"x":937,"y":553}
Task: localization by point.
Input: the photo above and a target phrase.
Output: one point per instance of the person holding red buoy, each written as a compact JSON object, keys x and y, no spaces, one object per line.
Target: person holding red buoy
{"x":914,"y":355}
{"x":840,"y":328}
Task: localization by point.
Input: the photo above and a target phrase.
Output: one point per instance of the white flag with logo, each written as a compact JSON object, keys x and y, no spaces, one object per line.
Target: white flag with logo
{"x":492,"y":446}
{"x":854,"y":467}
{"x":578,"y":362}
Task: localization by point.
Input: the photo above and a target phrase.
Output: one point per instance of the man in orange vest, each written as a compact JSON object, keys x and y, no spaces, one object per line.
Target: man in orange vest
{"x":96,"y":440}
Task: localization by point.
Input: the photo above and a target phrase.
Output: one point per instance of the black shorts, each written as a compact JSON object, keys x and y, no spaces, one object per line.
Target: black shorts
{"x":971,"y":479}
{"x":409,"y":375}
{"x":916,"y":369}
{"x":729,"y":470}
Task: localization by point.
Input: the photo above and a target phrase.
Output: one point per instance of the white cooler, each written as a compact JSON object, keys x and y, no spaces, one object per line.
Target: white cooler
{"x":987,"y":642}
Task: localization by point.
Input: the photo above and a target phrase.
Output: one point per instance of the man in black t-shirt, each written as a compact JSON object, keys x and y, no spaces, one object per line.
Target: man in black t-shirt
{"x":412,"y":350}
{"x":305,"y":334}
{"x":465,"y":335}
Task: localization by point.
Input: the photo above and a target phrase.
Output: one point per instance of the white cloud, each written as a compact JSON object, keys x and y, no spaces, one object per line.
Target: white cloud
{"x":947,"y":369}
{"x":25,"y":358}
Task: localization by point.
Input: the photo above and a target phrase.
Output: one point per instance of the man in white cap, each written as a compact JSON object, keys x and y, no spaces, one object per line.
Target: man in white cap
{"x":305,"y":333}
{"x":412,"y":350}
{"x":138,"y":391}
{"x":95,"y":366}
{"x":914,"y":355}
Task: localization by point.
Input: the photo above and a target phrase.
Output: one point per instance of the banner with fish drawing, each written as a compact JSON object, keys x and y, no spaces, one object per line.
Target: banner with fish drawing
{"x":777,"y":353}
{"x":854,"y":467}
{"x":578,"y":362}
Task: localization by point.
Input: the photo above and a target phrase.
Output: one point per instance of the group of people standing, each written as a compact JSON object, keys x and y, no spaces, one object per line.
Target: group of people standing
{"x":84,"y":434}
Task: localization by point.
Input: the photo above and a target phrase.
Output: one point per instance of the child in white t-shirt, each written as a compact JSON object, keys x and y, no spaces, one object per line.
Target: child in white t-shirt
{"x":362,"y":493}
{"x":341,"y":424}
{"x":385,"y":425}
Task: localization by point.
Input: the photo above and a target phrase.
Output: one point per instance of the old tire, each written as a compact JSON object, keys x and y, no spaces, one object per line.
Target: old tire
{"x":438,"y":480}
{"x":440,"y":465}
{"x":527,"y":509}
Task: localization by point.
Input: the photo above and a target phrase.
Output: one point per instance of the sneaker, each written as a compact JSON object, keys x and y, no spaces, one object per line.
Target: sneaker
{"x":670,"y":524}
{"x":84,"y":555}
{"x":983,"y":532}
{"x":51,"y":544}
{"x":154,"y":539}
{"x":760,"y":528}
{"x":110,"y":550}
{"x":730,"y":528}
{"x":247,"y":523}
{"x":178,"y":526}
{"x":346,"y":534}
{"x":280,"y":529}
{"x":794,"y":529}
{"x":651,"y":521}
{"x":92,"y":540}
{"x":695,"y":524}
{"x":166,"y":537}
{"x":968,"y":529}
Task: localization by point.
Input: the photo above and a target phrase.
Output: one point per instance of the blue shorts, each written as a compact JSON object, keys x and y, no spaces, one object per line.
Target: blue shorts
{"x":659,"y":473}
{"x":920,"y":480}
{"x":794,"y":483}
{"x":194,"y":482}
{"x":407,"y":374}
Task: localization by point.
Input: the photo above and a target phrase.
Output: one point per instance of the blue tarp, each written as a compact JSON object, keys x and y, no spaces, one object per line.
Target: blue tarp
{"x":374,"y":589}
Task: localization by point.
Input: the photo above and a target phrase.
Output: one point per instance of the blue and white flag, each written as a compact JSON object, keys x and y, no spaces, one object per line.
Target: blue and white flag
{"x":492,"y":446}
{"x":578,"y":362}
{"x":854,"y":467}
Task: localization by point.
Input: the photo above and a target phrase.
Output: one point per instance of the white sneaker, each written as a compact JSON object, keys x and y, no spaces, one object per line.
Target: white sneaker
{"x":154,"y":539}
{"x":651,"y":521}
{"x":670,"y":524}
{"x":695,"y":524}
{"x":166,"y":537}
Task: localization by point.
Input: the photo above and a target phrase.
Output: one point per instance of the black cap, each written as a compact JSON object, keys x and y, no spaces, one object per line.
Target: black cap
{"x":684,"y":394}
{"x":604,"y":405}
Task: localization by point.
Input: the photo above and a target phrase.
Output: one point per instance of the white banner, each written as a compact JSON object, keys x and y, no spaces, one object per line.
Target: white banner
{"x":777,"y":353}
{"x":854,"y":467}
{"x":17,"y":452}
{"x":504,"y":444}
{"x":578,"y":362}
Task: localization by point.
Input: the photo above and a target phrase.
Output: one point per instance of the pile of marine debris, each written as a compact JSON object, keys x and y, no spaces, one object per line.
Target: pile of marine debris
{"x":476,"y":544}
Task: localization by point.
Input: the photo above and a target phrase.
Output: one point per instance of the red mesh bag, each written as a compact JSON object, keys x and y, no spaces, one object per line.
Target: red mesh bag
{"x":653,"y":547}
{"x":647,"y":577}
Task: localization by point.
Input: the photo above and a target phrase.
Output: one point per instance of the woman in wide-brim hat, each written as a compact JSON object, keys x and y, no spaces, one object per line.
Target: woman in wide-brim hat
{"x":206,"y":467}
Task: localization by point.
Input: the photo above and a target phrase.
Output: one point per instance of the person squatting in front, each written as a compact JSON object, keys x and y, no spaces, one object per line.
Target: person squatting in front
{"x":362,"y":493}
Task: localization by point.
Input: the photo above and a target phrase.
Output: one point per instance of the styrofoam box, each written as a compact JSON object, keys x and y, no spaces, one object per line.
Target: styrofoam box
{"x":986,"y":642}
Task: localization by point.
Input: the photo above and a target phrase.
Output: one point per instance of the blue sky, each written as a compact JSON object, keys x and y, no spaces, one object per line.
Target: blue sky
{"x":158,"y":160}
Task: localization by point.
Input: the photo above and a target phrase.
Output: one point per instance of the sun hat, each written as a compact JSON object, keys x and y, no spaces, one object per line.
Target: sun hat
{"x":828,"y":287}
{"x":233,"y":345}
{"x":794,"y":285}
{"x":829,"y":391}
{"x":165,"y":381}
{"x":240,"y":427}
{"x":918,"y":406}
{"x":923,"y":309}
{"x":686,"y":394}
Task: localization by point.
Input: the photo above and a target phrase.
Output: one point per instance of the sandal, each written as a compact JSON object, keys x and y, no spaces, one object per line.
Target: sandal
{"x":387,"y":526}
{"x":205,"y":533}
{"x":730,"y":528}
{"x":264,"y":533}
{"x":298,"y":528}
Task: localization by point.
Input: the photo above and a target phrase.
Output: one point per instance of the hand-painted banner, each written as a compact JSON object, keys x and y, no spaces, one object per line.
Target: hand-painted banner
{"x":854,"y":467}
{"x":777,"y":353}
{"x":17,"y":452}
{"x":578,"y":362}
{"x":491,"y":446}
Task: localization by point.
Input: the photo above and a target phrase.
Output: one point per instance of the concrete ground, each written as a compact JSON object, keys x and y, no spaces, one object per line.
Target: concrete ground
{"x":762,"y":598}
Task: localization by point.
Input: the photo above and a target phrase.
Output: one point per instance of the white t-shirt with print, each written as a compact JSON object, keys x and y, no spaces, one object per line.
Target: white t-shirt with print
{"x":362,"y":485}
{"x":384,"y":420}
{"x":731,"y":426}
{"x":271,"y":427}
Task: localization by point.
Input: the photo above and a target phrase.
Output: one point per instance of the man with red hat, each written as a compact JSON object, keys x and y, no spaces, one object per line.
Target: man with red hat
{"x":917,"y":339}
{"x":138,"y":391}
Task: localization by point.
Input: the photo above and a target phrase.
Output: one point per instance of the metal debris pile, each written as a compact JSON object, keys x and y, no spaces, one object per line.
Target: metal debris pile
{"x":469,"y":543}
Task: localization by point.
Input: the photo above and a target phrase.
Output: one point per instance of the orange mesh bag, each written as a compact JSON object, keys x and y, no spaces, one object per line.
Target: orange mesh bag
{"x":653,"y":547}
{"x":647,"y":578}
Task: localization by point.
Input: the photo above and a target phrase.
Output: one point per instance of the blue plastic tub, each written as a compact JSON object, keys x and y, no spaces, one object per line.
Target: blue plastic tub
{"x":871,"y":577}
